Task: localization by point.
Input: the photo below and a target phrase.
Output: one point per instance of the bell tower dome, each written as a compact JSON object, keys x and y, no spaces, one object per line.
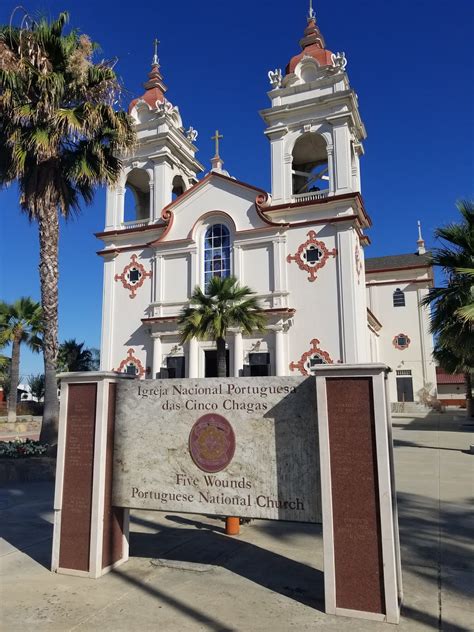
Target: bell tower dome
{"x":161,"y":166}
{"x":313,"y":124}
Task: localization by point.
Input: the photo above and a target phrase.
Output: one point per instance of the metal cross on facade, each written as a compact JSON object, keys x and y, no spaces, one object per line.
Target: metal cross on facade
{"x":216,"y":138}
{"x":311,"y":13}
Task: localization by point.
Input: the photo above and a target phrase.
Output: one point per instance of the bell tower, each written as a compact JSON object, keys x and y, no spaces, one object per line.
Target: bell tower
{"x":163,"y":163}
{"x":313,"y":124}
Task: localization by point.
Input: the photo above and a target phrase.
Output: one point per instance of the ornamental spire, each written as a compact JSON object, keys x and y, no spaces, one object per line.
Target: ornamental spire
{"x":421,"y":241}
{"x":154,"y":88}
{"x":312,"y":34}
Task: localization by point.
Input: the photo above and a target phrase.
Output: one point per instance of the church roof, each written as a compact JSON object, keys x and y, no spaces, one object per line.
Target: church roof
{"x":397,"y":262}
{"x":200,"y":183}
{"x":313,"y":45}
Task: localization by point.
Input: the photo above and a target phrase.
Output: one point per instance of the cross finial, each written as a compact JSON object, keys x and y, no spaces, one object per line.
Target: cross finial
{"x":216,"y":138}
{"x":311,"y":14}
{"x":155,"y":61}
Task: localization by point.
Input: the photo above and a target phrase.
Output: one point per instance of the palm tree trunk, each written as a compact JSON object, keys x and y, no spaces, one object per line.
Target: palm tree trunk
{"x":232,"y":524}
{"x":221,"y":358}
{"x":14,"y":379}
{"x":469,"y":400}
{"x":48,"y":224}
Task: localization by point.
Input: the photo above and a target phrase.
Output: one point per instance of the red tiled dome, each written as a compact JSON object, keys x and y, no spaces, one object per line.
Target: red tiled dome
{"x":313,"y":45}
{"x":155,"y":89}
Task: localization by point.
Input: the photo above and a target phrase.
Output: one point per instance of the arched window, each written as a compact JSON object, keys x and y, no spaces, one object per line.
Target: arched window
{"x":216,"y":252}
{"x":137,"y":196}
{"x":398,"y":298}
{"x":178,"y":187}
{"x":310,"y":164}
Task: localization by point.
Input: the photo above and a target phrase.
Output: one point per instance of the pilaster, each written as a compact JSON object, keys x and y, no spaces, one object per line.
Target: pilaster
{"x":342,"y":175}
{"x":108,"y":303}
{"x":347,"y":300}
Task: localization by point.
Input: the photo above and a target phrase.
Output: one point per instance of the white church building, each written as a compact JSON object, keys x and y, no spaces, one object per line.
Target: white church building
{"x":300,"y":246}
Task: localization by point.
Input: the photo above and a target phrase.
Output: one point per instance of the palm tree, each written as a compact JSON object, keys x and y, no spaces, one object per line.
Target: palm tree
{"x":467,"y":312}
{"x":210,"y":314}
{"x":73,"y":357}
{"x":451,"y":317}
{"x":5,"y":364}
{"x":20,"y":323}
{"x":60,"y":137}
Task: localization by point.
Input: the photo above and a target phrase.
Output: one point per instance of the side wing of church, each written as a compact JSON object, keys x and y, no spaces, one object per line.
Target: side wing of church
{"x":300,"y":247}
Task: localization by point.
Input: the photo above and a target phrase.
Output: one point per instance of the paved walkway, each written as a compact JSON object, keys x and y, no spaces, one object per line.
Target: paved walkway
{"x":186,"y":575}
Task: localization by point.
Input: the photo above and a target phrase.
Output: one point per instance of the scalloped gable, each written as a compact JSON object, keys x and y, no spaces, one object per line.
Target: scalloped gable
{"x":215,"y":193}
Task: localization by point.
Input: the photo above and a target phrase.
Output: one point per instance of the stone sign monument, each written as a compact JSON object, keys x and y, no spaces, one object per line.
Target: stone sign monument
{"x":310,"y":449}
{"x":247,"y":446}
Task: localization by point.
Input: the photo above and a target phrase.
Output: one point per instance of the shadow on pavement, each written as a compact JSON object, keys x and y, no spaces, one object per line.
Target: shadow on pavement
{"x":22,"y":525}
{"x":400,"y":443}
{"x":177,"y":604}
{"x":266,"y":568}
{"x":436,"y":422}
{"x":433,"y":623}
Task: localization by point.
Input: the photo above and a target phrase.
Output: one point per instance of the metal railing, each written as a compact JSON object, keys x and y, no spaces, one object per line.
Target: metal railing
{"x":139,"y":223}
{"x":310,"y":196}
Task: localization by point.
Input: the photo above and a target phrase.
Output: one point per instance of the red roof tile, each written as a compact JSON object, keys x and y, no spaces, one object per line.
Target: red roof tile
{"x":448,"y":378}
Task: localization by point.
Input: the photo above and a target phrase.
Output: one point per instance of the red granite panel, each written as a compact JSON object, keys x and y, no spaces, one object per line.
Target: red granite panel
{"x":355,"y":499}
{"x":112,"y":549}
{"x":78,"y":474}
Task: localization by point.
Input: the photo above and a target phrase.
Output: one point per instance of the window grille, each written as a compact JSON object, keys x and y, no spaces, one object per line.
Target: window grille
{"x":216,"y":252}
{"x":398,"y":298}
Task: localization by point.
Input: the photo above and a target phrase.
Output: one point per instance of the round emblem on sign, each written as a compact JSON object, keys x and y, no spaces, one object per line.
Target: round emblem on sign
{"x":212,"y":443}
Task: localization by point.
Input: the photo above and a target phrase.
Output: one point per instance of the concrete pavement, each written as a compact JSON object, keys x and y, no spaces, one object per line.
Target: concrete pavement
{"x":186,"y":575}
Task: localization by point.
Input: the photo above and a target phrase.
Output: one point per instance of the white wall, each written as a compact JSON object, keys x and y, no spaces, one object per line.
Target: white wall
{"x":411,"y":320}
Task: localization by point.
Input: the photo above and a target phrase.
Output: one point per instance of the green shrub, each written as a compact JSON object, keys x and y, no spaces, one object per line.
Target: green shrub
{"x":19,"y":449}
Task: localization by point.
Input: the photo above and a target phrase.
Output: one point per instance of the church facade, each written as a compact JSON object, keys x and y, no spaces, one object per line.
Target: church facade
{"x":300,"y":247}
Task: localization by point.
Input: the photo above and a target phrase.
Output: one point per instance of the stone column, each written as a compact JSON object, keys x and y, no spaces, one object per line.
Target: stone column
{"x":193,"y":358}
{"x":156,"y":367}
{"x":238,"y":353}
{"x":332,"y":179}
{"x":111,"y":220}
{"x":151,"y":209}
{"x":120,"y":206}
{"x":280,"y":368}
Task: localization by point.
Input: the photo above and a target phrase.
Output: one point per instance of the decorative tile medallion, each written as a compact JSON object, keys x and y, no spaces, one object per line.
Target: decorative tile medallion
{"x":401,"y":342}
{"x":311,"y":358}
{"x":131,"y":364}
{"x":212,"y":443}
{"x":312,"y":255}
{"x":133,"y":276}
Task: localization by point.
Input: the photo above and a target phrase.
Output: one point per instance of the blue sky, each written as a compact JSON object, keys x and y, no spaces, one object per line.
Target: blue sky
{"x":409,"y":61}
